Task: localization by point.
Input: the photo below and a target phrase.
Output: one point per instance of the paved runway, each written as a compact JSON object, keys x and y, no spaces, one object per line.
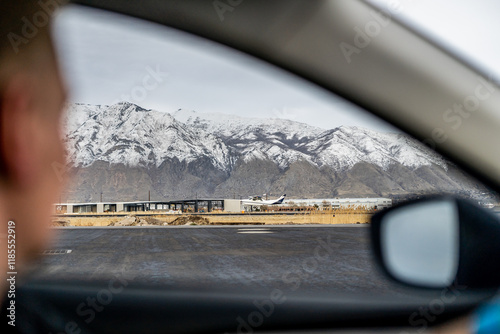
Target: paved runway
{"x":318,"y":258}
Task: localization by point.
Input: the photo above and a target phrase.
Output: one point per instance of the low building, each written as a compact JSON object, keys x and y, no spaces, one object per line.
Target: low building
{"x":368,"y":203}
{"x":69,"y":208}
{"x":195,"y":205}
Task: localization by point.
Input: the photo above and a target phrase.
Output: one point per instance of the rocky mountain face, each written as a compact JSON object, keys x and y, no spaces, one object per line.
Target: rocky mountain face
{"x":124,"y":152}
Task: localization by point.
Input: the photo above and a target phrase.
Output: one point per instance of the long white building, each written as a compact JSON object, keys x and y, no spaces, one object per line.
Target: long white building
{"x":336,"y":203}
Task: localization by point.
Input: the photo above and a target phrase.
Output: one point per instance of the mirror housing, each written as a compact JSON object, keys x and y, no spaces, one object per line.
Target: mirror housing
{"x":437,"y":242}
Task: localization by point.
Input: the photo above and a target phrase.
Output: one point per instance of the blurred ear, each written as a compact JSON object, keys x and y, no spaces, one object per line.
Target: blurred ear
{"x":18,"y":141}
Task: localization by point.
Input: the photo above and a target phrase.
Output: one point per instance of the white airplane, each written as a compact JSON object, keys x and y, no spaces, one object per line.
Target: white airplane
{"x":258,"y":201}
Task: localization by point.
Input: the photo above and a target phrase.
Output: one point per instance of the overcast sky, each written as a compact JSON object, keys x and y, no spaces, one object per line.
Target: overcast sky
{"x":108,"y":57}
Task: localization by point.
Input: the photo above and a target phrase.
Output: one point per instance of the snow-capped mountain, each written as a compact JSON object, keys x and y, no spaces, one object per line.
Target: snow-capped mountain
{"x":246,"y":128}
{"x":185,"y":152}
{"x":130,"y":135}
{"x":285,"y":141}
{"x":343,"y":147}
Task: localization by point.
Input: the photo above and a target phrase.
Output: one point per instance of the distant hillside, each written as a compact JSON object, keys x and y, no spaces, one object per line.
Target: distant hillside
{"x":124,"y":151}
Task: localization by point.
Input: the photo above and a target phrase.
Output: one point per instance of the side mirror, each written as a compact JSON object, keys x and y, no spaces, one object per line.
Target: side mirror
{"x":439,"y":241}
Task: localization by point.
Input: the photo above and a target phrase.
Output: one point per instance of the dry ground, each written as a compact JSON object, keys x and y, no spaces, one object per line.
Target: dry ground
{"x":314,"y":217}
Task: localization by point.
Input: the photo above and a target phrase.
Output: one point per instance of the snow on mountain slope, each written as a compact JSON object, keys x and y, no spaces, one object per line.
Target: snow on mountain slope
{"x":125,"y":133}
{"x":255,"y":138}
{"x":77,"y":114}
{"x":246,"y":128}
{"x":285,"y":141}
{"x":343,"y":147}
{"x":128,"y":134}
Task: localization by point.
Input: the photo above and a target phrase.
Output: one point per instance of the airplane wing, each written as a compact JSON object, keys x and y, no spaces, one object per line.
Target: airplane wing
{"x":259,"y":203}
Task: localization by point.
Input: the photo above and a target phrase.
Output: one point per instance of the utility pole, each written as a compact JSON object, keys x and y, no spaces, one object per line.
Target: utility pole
{"x":101,"y":196}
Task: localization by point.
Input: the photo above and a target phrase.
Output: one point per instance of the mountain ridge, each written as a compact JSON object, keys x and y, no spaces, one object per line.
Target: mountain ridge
{"x":187,"y":153}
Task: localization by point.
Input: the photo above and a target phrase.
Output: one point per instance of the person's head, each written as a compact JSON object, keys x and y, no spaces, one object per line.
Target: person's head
{"x":32,"y":96}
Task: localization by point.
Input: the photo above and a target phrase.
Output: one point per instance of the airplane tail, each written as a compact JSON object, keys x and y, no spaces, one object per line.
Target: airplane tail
{"x":280,"y":200}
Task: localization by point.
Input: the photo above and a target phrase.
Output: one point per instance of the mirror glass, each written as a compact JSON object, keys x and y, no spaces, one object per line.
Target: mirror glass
{"x":420,"y":243}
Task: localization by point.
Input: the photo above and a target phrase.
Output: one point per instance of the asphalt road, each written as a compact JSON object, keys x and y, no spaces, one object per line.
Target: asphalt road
{"x":320,"y":258}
